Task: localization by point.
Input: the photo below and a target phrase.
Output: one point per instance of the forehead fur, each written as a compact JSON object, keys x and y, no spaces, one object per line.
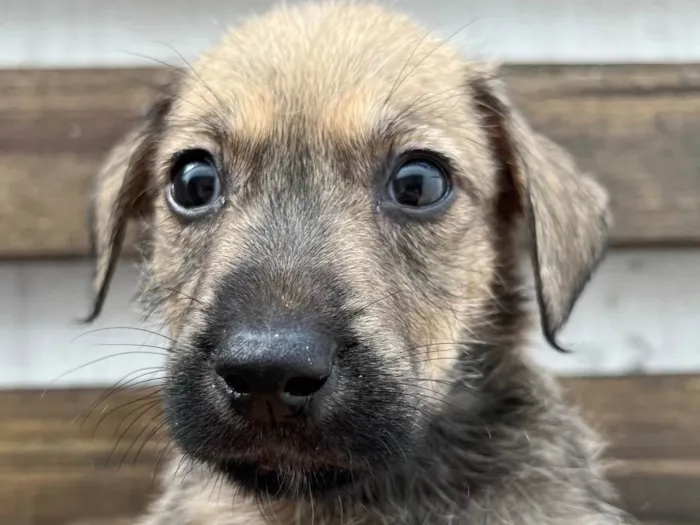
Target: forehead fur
{"x":332,"y":69}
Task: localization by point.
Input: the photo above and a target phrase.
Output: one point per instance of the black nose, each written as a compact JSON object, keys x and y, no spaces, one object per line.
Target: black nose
{"x":273,"y":374}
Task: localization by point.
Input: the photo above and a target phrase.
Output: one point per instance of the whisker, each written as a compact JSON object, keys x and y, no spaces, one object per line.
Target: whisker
{"x":95,"y":361}
{"x":117,"y":386}
{"x":439,"y":399}
{"x":432,"y":359}
{"x":172,"y":67}
{"x":426,"y":34}
{"x":221,"y":102}
{"x":147,"y":397}
{"x":149,"y":406}
{"x":138,"y":345}
{"x":167,"y":449}
{"x":158,"y":428}
{"x":221,"y":486}
{"x":418,"y":409}
{"x":383,"y":298}
{"x":158,"y":88}
{"x":340,"y":509}
{"x":135,"y":440}
{"x":425,"y":97}
{"x":193,"y":465}
{"x":410,"y":380}
{"x":175,"y":290}
{"x":182,"y":461}
{"x":137,"y":329}
{"x":403,"y":452}
{"x":423,"y":388}
{"x":413,"y":109}
{"x":413,"y":351}
{"x":180,"y":71}
{"x":441,"y":44}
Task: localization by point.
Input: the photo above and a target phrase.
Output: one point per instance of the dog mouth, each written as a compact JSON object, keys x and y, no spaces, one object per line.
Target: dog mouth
{"x":279,"y":468}
{"x":282,"y":481}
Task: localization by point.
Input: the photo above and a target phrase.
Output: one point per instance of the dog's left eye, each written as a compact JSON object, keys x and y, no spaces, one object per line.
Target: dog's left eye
{"x":195,"y":185}
{"x":418,"y":183}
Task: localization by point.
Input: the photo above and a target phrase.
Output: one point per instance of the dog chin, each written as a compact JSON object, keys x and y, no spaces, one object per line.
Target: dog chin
{"x":284,"y":481}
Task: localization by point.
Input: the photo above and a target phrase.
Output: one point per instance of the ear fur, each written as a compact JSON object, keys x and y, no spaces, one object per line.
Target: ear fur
{"x":121,"y":192}
{"x":567,"y":212}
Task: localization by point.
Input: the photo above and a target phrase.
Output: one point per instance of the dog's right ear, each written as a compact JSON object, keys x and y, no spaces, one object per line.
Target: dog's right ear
{"x":122,"y":191}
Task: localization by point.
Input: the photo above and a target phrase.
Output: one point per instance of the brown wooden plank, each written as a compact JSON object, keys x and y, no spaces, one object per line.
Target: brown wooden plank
{"x":56,"y":467}
{"x":653,"y":425}
{"x":61,"y":459}
{"x":637,"y":127}
{"x":55,"y":127}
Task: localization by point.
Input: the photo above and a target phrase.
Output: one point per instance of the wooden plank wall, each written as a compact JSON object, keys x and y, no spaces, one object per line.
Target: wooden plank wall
{"x":637,"y":127}
{"x":634,"y":126}
{"x":64,"y":457}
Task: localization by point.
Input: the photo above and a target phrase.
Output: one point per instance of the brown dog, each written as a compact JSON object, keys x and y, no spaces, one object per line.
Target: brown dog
{"x":334,"y":200}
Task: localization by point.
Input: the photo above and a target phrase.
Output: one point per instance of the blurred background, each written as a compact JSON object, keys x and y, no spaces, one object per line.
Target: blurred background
{"x":617,"y":82}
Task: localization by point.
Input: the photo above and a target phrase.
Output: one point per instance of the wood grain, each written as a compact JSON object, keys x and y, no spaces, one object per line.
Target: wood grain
{"x":637,"y":127}
{"x":60,"y":460}
{"x":653,"y":425}
{"x":56,"y":468}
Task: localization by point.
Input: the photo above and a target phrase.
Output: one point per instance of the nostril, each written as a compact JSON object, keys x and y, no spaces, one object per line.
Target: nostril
{"x":237,"y":384}
{"x":303,"y":386}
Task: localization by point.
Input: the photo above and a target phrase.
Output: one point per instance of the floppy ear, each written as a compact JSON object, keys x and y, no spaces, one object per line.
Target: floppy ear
{"x":567,"y":212}
{"x":121,"y":192}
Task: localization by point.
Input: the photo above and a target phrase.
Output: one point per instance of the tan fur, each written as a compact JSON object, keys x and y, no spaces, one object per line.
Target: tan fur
{"x":332,"y":77}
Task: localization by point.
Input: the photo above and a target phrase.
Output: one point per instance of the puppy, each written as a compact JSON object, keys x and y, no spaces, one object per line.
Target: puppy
{"x":334,"y":201}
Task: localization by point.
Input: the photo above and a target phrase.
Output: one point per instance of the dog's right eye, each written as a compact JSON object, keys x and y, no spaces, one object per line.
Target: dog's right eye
{"x":195,"y":185}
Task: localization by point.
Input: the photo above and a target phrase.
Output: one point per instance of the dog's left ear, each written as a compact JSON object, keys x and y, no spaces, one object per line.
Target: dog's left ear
{"x":121,"y":192}
{"x":567,"y":212}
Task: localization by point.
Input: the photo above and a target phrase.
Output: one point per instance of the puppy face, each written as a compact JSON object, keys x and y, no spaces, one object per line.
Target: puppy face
{"x":333,"y":197}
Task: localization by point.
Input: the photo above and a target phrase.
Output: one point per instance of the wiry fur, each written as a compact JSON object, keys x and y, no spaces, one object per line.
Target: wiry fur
{"x":439,"y":414}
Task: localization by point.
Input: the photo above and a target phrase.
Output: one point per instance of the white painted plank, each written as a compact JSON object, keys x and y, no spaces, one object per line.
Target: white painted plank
{"x":83,"y":33}
{"x":44,"y":303}
{"x":640,"y":314}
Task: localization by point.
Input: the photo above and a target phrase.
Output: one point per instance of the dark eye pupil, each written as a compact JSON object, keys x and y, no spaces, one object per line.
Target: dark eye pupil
{"x":195,"y":185}
{"x":418,"y":183}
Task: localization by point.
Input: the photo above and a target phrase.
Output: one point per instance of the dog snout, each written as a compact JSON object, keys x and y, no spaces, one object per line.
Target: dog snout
{"x":272,"y":375}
